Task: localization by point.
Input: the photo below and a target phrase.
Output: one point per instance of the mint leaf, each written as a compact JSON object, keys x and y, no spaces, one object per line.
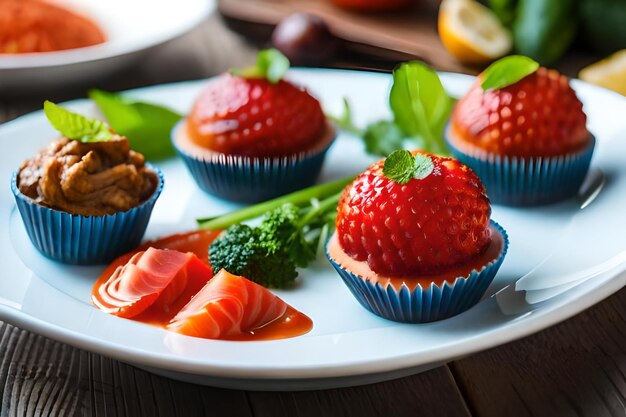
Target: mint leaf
{"x":507,"y":71}
{"x":399,"y":166}
{"x":423,"y":166}
{"x":272,"y":64}
{"x":75,"y":126}
{"x":420,"y":105}
{"x":383,"y":137}
{"x":147,"y":126}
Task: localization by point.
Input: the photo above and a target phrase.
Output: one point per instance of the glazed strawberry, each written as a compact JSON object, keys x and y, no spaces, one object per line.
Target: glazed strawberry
{"x":539,"y":115}
{"x":424,"y":213}
{"x":254,"y":117}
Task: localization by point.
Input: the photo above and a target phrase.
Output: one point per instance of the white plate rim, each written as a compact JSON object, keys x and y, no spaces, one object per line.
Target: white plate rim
{"x":594,"y":292}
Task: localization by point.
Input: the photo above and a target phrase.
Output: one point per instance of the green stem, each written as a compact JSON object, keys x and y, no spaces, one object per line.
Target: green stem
{"x":322,"y":207}
{"x":298,"y":198}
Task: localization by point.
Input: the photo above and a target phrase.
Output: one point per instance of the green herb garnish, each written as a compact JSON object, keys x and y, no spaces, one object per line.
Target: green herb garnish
{"x":420,"y":106}
{"x":380,"y":138}
{"x":507,"y":71}
{"x":271,"y":64}
{"x":401,"y":166}
{"x":293,"y":230}
{"x":147,"y":126}
{"x":299,"y":198}
{"x":75,"y":126}
{"x":344,"y":120}
{"x":383,"y":137}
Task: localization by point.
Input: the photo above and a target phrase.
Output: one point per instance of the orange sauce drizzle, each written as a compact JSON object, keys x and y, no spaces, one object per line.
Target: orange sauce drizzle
{"x":362,"y":269}
{"x":291,"y":324}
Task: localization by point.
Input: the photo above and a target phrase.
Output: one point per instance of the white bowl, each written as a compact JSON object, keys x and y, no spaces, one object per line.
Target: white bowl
{"x":131,"y":27}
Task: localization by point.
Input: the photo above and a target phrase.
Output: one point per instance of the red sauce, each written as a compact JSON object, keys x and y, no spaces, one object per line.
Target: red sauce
{"x":291,"y":324}
{"x":361,"y":268}
{"x":39,"y":26}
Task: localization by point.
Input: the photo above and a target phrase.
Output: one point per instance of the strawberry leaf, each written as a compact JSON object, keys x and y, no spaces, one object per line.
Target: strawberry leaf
{"x":75,"y":126}
{"x":271,"y":64}
{"x":507,"y":71}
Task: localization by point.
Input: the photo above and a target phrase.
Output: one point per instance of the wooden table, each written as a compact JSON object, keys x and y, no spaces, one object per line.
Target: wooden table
{"x":576,"y":368}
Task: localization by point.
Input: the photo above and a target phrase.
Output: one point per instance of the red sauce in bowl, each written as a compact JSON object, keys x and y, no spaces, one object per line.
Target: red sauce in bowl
{"x":28,"y":26}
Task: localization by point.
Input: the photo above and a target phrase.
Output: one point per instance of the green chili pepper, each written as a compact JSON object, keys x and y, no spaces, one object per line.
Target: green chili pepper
{"x":603,"y":24}
{"x":544,"y":29}
{"x":504,"y":9}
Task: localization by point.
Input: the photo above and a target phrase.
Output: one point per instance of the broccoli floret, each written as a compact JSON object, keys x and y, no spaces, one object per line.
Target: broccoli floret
{"x":287,"y":238}
{"x":282,"y":232}
{"x":267,"y":254}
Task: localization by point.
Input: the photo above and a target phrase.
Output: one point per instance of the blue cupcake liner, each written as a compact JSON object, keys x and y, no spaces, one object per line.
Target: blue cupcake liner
{"x":84,"y":240}
{"x":518,"y":181}
{"x":247,"y":179}
{"x":423,"y":305}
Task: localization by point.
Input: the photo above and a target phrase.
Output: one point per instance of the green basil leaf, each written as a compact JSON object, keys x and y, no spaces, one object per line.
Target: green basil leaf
{"x":75,"y":126}
{"x":507,"y":71}
{"x":420,"y":105}
{"x":382,"y":138}
{"x":147,"y":126}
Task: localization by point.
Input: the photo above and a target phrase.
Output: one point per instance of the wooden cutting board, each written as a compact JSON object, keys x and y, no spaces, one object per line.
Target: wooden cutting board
{"x":397,"y":36}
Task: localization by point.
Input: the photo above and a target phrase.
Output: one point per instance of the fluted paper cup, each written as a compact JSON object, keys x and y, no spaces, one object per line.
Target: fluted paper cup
{"x":84,"y":240}
{"x":248,"y":179}
{"x":423,"y":304}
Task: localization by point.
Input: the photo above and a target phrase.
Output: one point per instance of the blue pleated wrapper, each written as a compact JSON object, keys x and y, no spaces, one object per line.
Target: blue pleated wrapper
{"x":423,"y":305}
{"x":247,"y":179}
{"x":517,"y":181}
{"x":84,"y":240}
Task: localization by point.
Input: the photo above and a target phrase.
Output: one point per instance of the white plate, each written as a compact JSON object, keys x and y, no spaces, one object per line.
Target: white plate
{"x":347,"y":345}
{"x":131,"y":26}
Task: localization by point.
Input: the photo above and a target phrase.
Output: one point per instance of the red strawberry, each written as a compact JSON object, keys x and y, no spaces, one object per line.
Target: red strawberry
{"x":253,"y":117}
{"x":539,"y":115}
{"x":421,"y":227}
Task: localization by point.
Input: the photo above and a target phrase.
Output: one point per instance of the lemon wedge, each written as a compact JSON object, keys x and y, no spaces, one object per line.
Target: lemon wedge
{"x":608,"y":73}
{"x":471,"y":32}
